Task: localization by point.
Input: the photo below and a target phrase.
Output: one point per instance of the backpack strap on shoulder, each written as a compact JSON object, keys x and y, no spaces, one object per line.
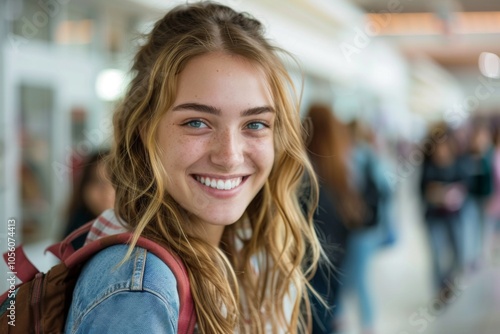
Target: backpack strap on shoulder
{"x":64,"y":249}
{"x":187,"y":315}
{"x":25,"y":270}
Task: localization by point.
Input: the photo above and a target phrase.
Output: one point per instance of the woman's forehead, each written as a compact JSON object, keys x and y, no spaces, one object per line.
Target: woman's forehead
{"x":223,"y":80}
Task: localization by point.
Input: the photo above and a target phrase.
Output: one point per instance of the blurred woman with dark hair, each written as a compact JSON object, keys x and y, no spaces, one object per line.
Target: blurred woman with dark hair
{"x":480,"y":156}
{"x":330,"y":151}
{"x":339,"y":162}
{"x":92,"y":194}
{"x":443,"y":187}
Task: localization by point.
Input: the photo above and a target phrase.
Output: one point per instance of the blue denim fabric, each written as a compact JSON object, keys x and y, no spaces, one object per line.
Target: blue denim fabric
{"x":361,"y":248}
{"x":473,"y":225}
{"x":444,"y":235}
{"x":363,"y":244}
{"x":138,"y":297}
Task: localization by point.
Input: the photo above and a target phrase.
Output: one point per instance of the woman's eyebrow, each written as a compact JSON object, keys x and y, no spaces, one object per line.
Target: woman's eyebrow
{"x":257,"y":111}
{"x":197,"y":107}
{"x":215,"y":111}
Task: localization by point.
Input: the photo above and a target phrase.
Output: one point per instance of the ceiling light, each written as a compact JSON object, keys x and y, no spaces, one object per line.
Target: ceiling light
{"x":489,"y":64}
{"x":110,"y":84}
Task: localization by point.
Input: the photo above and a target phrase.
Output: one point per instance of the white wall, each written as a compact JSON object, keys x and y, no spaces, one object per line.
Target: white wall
{"x":473,"y":82}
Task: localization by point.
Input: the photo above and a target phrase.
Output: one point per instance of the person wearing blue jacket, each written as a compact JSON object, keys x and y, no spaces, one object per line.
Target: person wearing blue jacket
{"x":208,"y":159}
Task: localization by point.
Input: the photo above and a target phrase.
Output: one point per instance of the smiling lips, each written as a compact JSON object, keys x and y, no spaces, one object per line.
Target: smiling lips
{"x":227,"y":184}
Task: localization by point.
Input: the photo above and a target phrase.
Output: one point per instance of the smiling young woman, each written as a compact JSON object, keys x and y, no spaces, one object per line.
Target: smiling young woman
{"x":208,"y":160}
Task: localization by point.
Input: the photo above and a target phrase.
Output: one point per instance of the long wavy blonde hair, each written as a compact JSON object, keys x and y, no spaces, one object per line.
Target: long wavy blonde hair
{"x":282,"y":238}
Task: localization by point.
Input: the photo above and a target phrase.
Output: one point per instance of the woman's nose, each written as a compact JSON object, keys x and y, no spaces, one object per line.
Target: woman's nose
{"x":227,"y":151}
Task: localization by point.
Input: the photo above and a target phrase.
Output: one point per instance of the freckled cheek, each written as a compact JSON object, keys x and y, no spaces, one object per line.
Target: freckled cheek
{"x":186,"y":150}
{"x":262,"y":153}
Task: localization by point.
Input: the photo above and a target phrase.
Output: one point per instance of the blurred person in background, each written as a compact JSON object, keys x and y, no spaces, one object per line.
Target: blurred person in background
{"x":342,"y":161}
{"x":492,"y":228}
{"x":329,"y":149}
{"x":479,"y":161}
{"x":92,"y":194}
{"x":381,"y":168}
{"x":443,"y":188}
{"x":369,"y":180}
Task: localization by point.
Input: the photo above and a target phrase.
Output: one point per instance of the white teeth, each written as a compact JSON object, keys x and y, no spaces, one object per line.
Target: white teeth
{"x":219,"y":184}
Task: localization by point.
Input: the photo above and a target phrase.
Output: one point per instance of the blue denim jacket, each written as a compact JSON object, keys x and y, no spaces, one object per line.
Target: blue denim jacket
{"x":138,"y":297}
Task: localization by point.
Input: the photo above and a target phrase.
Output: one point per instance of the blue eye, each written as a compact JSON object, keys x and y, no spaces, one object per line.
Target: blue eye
{"x":256,"y":126}
{"x":196,"y":124}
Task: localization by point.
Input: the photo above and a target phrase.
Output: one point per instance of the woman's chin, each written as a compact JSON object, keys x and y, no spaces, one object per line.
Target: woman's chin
{"x":220,"y":220}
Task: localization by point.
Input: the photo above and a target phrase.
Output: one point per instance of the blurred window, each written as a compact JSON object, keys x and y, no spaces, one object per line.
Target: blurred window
{"x":52,"y":21}
{"x":32,"y":20}
{"x":35,"y":131}
{"x":76,"y":29}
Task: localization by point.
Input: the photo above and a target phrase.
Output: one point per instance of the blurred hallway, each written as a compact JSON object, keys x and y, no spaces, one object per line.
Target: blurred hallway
{"x":397,"y":66}
{"x":402,"y":286}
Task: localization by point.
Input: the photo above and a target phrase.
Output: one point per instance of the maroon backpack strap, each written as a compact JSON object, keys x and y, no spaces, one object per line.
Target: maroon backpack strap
{"x":64,"y":249}
{"x":25,"y":270}
{"x":187,"y":315}
{"x":23,"y":267}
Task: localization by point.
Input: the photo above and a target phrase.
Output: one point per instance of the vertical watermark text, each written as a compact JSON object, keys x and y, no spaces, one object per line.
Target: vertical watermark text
{"x":11,"y":264}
